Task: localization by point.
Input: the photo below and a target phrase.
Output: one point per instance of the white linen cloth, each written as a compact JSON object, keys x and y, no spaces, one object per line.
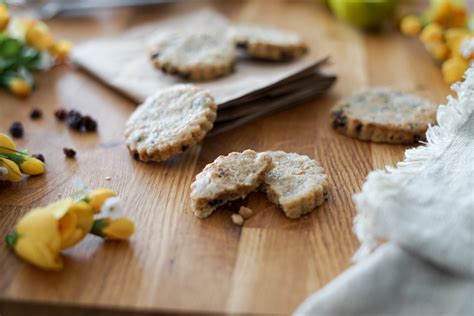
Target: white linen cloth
{"x":424,"y":210}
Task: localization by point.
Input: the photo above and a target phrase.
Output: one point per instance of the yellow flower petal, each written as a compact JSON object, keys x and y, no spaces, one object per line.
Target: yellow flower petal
{"x":39,"y":36}
{"x":20,"y":87}
{"x":453,"y":69}
{"x":97,"y":198}
{"x":4,"y":16}
{"x":5,"y":143}
{"x":410,"y":25}
{"x":61,"y":50}
{"x":39,"y":239}
{"x":32,"y":166}
{"x":59,"y":208}
{"x":432,"y":33}
{"x":76,"y":224}
{"x":14,"y":174}
{"x":118,"y":229}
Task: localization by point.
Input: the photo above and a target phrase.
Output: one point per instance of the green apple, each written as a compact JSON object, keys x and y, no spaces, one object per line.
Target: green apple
{"x":364,"y":14}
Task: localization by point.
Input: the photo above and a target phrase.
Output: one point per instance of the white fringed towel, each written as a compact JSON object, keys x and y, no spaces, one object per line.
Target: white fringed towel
{"x":424,"y":209}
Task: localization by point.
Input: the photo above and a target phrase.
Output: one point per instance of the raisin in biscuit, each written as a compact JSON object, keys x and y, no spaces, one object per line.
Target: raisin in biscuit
{"x":228,"y":178}
{"x":193,"y":55}
{"x":170,"y":122}
{"x":296,"y":183}
{"x":384,"y":115}
{"x":267,"y":43}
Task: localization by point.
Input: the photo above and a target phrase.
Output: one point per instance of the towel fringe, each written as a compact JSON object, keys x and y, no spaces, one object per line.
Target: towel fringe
{"x":383,"y":184}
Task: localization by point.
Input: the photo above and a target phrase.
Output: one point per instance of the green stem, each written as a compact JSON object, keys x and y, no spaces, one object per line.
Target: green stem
{"x":11,"y":239}
{"x":98,"y":226}
{"x":14,"y":150}
{"x":18,"y":159}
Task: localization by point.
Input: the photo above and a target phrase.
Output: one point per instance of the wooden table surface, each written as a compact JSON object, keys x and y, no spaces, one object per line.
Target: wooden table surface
{"x":176,"y":262}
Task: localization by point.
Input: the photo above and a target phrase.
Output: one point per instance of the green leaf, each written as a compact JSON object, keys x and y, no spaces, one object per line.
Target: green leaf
{"x":10,"y":48}
{"x":11,"y":239}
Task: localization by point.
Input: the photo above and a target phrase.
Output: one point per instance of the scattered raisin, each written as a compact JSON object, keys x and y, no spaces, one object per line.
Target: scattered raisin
{"x":16,"y":130}
{"x":90,"y":125}
{"x":69,"y":152}
{"x":184,"y":147}
{"x":40,"y":157}
{"x":36,"y":114}
{"x":61,"y":114}
{"x":74,"y":120}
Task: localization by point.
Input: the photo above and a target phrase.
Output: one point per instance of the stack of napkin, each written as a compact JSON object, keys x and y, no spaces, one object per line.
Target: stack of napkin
{"x":255,"y":88}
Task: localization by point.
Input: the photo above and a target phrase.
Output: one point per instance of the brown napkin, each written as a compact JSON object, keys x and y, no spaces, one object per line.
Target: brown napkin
{"x":255,"y":87}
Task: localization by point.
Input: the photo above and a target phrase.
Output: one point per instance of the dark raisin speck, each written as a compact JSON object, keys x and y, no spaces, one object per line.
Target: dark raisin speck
{"x":184,"y":147}
{"x":215,"y":203}
{"x":36,"y":114}
{"x":39,"y":157}
{"x":90,"y":125}
{"x":16,"y":130}
{"x":69,"y":152}
{"x":339,"y":119}
{"x":155,"y":55}
{"x":60,"y":114}
{"x":74,"y":120}
{"x":242,"y":45}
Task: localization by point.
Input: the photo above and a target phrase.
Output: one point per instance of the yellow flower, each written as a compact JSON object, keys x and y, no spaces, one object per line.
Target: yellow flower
{"x":61,"y":50}
{"x":453,"y":69}
{"x":452,"y":35}
{"x":439,"y":51}
{"x":37,"y":240}
{"x":4,"y":16}
{"x":14,"y":174}
{"x":449,"y":13}
{"x":32,"y":166}
{"x":75,"y":224}
{"x":39,"y":36}
{"x":118,"y":229}
{"x":410,"y":25}
{"x":432,"y":33}
{"x":7,"y":145}
{"x":97,"y":198}
{"x":20,"y":87}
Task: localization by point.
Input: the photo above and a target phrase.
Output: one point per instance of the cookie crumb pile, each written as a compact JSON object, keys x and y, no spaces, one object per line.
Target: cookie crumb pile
{"x":296,"y":183}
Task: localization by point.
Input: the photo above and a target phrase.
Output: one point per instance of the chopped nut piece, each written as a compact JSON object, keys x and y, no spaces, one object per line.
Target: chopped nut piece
{"x":237,"y":219}
{"x":245,"y":212}
{"x":69,"y":152}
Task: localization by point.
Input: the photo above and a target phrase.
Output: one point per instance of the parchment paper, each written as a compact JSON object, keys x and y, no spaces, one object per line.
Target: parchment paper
{"x":123,"y":63}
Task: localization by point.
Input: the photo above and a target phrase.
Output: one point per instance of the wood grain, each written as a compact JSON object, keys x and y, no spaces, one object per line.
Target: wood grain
{"x":176,"y":262}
